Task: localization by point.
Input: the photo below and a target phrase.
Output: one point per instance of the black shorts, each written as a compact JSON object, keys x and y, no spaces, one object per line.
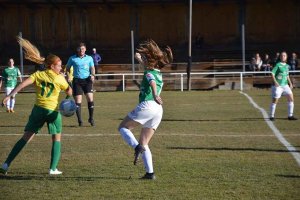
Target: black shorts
{"x":81,"y":86}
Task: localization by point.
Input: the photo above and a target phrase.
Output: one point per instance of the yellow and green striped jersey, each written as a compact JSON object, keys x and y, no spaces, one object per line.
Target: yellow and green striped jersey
{"x":48,"y":86}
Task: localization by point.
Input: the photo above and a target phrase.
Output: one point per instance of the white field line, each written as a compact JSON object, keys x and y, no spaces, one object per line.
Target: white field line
{"x":292,"y":150}
{"x":158,"y":134}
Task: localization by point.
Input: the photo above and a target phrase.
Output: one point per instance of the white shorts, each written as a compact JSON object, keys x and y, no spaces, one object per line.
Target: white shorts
{"x":281,"y":90}
{"x":8,"y":91}
{"x":147,"y":113}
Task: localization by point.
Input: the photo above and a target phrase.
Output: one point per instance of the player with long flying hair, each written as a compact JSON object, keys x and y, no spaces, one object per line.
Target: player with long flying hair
{"x":148,"y":112}
{"x":48,"y":85}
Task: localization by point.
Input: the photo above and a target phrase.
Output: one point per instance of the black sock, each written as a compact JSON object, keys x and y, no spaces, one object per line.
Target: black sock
{"x":91,"y":109}
{"x":78,"y":112}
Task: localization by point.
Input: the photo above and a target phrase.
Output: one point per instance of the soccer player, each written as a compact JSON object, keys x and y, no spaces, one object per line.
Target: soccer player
{"x":148,"y":112}
{"x":48,"y":85}
{"x":10,"y":75}
{"x":282,"y":85}
{"x":84,"y":76}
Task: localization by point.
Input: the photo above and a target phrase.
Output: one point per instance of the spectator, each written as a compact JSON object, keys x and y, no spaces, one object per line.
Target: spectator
{"x":293,"y":62}
{"x":266,"y":65}
{"x":96,"y":58}
{"x":258,"y":62}
{"x":9,"y":77}
{"x":276,"y":59}
{"x":84,"y":76}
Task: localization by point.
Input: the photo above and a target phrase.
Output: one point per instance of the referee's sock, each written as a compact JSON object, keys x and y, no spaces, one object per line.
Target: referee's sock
{"x":78,"y":113}
{"x":91,"y":109}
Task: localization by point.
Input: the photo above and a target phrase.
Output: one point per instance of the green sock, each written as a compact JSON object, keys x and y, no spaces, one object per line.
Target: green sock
{"x":55,"y":154}
{"x":15,"y":151}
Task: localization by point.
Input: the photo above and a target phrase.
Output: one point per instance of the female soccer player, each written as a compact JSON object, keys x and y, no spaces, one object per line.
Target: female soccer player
{"x":9,"y":76}
{"x":148,"y":112}
{"x":282,"y":85}
{"x":48,"y":84}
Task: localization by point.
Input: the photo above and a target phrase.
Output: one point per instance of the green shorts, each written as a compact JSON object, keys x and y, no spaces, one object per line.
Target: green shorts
{"x":39,"y":116}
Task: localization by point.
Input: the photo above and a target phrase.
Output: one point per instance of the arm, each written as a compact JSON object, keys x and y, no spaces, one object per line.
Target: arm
{"x":156,"y":97}
{"x":139,"y":58}
{"x":69,"y":91}
{"x":274,"y":80}
{"x":290,"y":82}
{"x":98,"y":58}
{"x":20,"y":76}
{"x":24,"y":84}
{"x":92,"y":73}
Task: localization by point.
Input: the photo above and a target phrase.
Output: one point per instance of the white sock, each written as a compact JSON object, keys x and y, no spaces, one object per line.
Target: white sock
{"x":290,"y":108}
{"x":147,"y":158}
{"x":8,"y":104}
{"x":128,"y":136}
{"x":12,"y":103}
{"x":272,"y":109}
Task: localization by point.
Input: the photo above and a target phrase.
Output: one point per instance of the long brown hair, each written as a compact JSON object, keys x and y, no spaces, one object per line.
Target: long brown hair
{"x":153,"y":55}
{"x":33,"y":54}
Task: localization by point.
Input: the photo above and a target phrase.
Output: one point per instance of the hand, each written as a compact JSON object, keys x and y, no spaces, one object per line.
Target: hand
{"x":158,"y":100}
{"x":92,"y":78}
{"x":276,"y":84}
{"x":4,"y":101}
{"x":291,"y":86}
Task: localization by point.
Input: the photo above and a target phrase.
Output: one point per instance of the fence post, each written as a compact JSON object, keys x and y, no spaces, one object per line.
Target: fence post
{"x":241,"y":81}
{"x":123,"y":82}
{"x":181,"y":82}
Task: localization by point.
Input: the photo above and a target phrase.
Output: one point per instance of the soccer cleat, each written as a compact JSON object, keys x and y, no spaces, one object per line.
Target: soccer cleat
{"x":8,"y":110}
{"x":149,"y":176}
{"x":12,"y":111}
{"x":139,"y":149}
{"x":4,"y":169}
{"x":91,"y":121}
{"x":80,"y":123}
{"x":272,"y":119}
{"x":292,"y":118}
{"x":54,"y":172}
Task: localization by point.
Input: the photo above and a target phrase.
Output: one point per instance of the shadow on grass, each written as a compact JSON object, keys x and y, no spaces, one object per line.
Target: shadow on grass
{"x":223,"y":120}
{"x":288,"y":176}
{"x":213,"y":120}
{"x":58,"y":178}
{"x":6,"y":126}
{"x":232,"y":149}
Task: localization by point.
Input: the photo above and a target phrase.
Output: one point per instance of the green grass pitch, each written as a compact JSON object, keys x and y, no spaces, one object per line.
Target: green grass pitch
{"x":210,"y":145}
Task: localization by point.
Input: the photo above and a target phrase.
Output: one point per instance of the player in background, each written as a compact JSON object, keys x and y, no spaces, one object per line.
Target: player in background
{"x":48,"y":85}
{"x":282,"y":85}
{"x":148,"y":112}
{"x":9,"y":77}
{"x":84,"y":76}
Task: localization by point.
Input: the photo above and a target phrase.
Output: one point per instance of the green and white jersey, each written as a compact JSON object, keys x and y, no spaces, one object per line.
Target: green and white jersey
{"x":9,"y":76}
{"x":145,"y":90}
{"x":281,"y":73}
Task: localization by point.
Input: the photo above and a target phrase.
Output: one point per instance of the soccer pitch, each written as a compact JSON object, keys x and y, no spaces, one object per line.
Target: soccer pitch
{"x":210,"y":145}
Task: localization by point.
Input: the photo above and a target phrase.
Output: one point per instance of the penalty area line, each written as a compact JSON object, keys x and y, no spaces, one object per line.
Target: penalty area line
{"x":292,"y":150}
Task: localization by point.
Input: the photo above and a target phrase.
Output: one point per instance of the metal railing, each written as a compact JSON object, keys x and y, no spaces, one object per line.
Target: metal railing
{"x":183,"y":75}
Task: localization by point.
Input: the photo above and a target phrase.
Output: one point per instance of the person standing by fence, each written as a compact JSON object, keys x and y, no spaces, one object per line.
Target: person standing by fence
{"x":96,"y":58}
